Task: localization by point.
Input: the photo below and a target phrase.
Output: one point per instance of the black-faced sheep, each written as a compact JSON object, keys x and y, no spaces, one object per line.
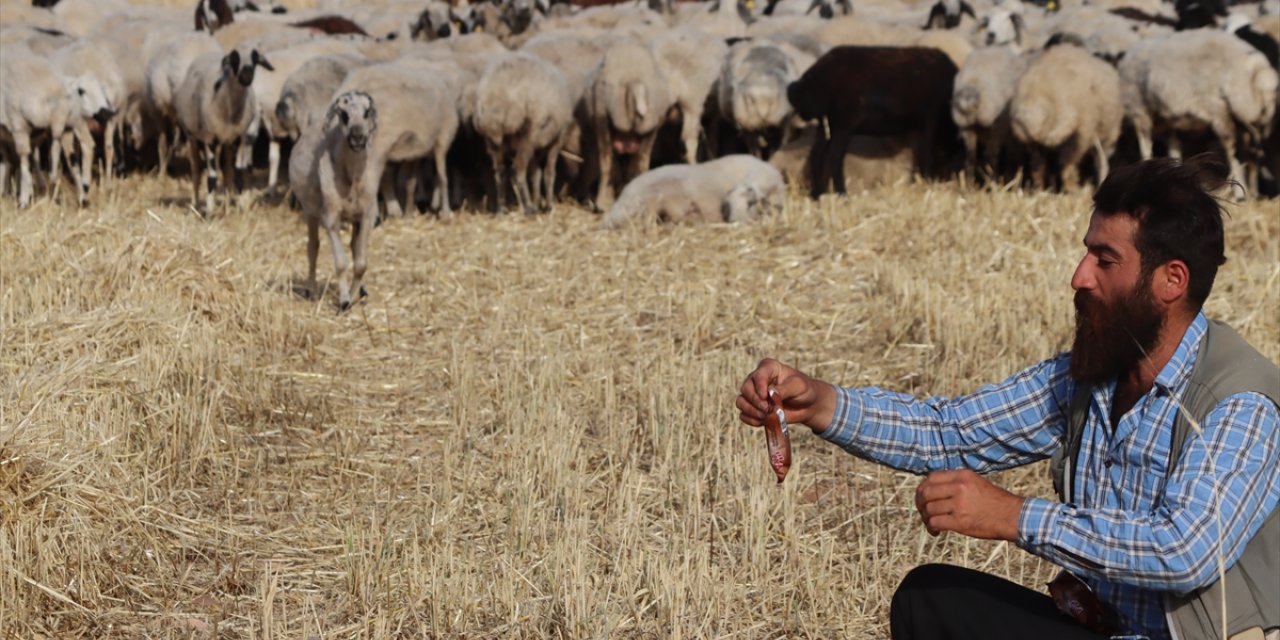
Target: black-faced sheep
{"x":879,"y":91}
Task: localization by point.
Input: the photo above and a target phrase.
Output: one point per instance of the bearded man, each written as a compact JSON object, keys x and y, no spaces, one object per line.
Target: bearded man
{"x":1162,"y":426}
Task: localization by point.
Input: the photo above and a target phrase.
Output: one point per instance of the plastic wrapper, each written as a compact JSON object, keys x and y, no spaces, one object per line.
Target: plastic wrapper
{"x":777,"y":437}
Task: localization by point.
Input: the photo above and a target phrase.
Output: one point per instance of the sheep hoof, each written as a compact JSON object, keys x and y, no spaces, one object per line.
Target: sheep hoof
{"x":239,"y":180}
{"x":343,"y":306}
{"x":364,"y":293}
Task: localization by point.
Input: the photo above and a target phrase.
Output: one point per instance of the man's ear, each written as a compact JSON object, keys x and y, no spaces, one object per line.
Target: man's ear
{"x":1171,"y":281}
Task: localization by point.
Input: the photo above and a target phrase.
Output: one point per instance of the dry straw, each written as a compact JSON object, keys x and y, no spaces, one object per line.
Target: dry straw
{"x":526,"y":431}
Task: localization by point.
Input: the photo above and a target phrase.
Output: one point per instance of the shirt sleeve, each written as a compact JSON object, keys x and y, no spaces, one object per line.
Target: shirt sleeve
{"x":1225,"y":486}
{"x":1012,"y":423}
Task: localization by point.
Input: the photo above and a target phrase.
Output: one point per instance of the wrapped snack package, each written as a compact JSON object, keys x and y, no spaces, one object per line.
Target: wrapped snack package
{"x":777,"y":437}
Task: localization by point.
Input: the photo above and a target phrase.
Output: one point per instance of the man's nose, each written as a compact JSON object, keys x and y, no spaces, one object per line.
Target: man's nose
{"x":1083,"y":278}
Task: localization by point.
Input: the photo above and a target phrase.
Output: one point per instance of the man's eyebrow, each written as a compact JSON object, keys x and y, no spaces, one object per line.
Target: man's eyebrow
{"x":1102,"y":247}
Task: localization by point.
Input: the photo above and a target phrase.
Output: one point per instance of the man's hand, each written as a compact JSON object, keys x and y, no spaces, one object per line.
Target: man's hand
{"x":805,"y":400}
{"x":967,"y":503}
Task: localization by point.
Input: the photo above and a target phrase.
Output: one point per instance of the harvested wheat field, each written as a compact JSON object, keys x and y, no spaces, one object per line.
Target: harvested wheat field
{"x":527,"y":429}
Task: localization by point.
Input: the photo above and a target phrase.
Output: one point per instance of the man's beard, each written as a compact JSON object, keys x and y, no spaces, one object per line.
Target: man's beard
{"x":1112,"y":338}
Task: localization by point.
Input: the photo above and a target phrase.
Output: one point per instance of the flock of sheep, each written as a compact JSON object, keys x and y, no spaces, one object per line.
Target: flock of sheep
{"x":389,"y":104}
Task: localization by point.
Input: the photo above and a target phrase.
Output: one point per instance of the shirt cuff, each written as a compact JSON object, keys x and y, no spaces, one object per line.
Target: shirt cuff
{"x":846,"y":419}
{"x":1037,"y":521}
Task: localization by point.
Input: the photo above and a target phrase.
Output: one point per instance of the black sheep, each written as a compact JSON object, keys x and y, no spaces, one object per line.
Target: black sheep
{"x":875,"y":91}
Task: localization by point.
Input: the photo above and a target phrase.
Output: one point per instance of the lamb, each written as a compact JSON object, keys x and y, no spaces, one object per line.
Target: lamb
{"x":215,"y":106}
{"x":1232,"y":93}
{"x":692,"y":60}
{"x":523,"y":108}
{"x":34,"y":95}
{"x":1068,"y":102}
{"x":337,"y":172}
{"x":165,"y":74}
{"x":752,"y":93}
{"x":980,"y":105}
{"x":883,"y":91}
{"x":736,"y":188}
{"x":628,"y":102}
{"x":405,"y":92}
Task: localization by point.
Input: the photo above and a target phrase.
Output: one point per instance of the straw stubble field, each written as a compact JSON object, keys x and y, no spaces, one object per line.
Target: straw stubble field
{"x":527,"y":430}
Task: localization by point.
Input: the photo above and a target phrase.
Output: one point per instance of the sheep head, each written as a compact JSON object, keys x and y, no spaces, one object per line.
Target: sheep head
{"x":356,"y":114}
{"x":89,"y":97}
{"x":741,"y":204}
{"x":232,"y":67}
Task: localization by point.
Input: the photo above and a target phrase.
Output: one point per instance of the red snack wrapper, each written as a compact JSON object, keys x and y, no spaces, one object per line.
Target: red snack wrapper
{"x":777,"y":437}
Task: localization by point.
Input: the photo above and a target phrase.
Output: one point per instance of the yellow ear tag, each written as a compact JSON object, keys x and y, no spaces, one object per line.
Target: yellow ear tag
{"x":751,"y":5}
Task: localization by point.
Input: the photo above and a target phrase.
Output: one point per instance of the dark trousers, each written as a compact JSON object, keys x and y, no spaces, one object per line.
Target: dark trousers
{"x":942,"y":602}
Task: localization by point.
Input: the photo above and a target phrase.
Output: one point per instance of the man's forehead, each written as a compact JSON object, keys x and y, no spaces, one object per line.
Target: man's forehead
{"x":1116,"y":231}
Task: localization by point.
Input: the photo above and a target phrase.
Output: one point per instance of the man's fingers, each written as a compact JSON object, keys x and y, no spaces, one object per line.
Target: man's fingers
{"x":748,"y":412}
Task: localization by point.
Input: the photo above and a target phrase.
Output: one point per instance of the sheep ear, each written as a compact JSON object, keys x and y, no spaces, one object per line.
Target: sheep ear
{"x":231,"y":62}
{"x":1017,"y":27}
{"x":331,"y":116}
{"x":261,"y":61}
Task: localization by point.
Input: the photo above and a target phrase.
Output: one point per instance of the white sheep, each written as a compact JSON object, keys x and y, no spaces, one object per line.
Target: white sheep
{"x":214,"y":108}
{"x":575,"y":54}
{"x":86,"y":56}
{"x":35,"y":95}
{"x":627,"y":103}
{"x":307,"y":92}
{"x":523,"y":108}
{"x":984,"y":87}
{"x":752,"y":93}
{"x":1067,"y":102}
{"x":1232,"y":93}
{"x":692,"y":60}
{"x":736,"y":188}
{"x":165,"y":73}
{"x":418,"y":115}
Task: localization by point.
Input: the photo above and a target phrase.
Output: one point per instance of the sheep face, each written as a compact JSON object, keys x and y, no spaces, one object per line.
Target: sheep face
{"x":741,"y":204}
{"x":1002,"y":28}
{"x":232,"y":68}
{"x":356,"y":114}
{"x":89,"y":97}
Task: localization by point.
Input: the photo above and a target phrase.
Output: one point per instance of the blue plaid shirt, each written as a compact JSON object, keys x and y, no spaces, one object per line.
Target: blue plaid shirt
{"x":1136,"y":531}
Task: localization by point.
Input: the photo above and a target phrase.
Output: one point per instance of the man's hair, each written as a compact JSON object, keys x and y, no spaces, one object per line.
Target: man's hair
{"x":1178,"y":216}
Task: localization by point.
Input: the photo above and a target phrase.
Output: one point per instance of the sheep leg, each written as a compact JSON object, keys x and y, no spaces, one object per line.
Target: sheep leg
{"x":818,"y":177}
{"x":341,"y":266}
{"x":409,"y":176}
{"x":165,"y":151}
{"x":4,"y":173}
{"x":87,"y":148}
{"x":690,"y":129}
{"x":970,"y":137}
{"x":1225,"y":131}
{"x":1101,"y":164}
{"x":520,"y":175}
{"x":313,"y":251}
{"x":22,"y":144}
{"x":80,"y":178}
{"x":212,"y":154}
{"x":273,"y":164}
{"x":1038,"y":167}
{"x":1069,"y":157}
{"x":243,"y":160}
{"x":835,"y":159}
{"x":109,"y":149}
{"x":360,"y":250}
{"x":604,"y":147}
{"x":387,"y":185}
{"x":55,"y":157}
{"x":197,"y":167}
{"x":496,"y":158}
{"x":549,"y":175}
{"x":644,"y":157}
{"x":442,"y":181}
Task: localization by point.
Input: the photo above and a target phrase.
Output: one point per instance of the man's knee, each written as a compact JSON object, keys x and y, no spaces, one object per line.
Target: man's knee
{"x":912,"y":601}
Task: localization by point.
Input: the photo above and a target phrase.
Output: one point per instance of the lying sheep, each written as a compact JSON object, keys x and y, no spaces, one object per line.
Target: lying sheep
{"x":627,"y":102}
{"x":1232,"y":93}
{"x":984,"y":88}
{"x":214,"y":107}
{"x":737,"y":188}
{"x":523,"y":109}
{"x":418,"y":115}
{"x":34,"y":95}
{"x":1067,"y":103}
{"x":692,"y":61}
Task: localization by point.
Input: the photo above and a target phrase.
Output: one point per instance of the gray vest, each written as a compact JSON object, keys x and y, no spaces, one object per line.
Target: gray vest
{"x":1226,"y":365}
